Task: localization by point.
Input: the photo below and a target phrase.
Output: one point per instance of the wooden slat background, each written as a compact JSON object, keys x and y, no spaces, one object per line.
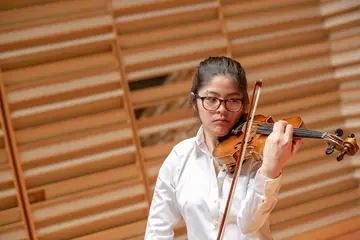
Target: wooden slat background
{"x":94,"y":96}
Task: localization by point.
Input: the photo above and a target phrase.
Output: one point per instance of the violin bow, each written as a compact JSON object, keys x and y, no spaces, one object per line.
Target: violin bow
{"x":239,"y":161}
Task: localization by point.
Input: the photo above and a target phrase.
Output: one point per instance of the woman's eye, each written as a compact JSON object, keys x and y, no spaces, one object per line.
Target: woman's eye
{"x":211,"y":99}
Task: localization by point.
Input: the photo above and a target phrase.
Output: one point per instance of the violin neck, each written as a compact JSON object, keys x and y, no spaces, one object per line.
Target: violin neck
{"x":266,"y":129}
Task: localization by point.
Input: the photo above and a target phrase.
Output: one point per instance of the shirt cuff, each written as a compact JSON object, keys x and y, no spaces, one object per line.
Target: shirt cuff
{"x":266,"y":186}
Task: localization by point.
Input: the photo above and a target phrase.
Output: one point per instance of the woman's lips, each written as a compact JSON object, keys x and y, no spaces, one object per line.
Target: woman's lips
{"x":221,"y":121}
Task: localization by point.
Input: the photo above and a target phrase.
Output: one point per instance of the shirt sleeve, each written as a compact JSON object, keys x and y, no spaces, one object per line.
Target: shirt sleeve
{"x":260,"y":200}
{"x":164,"y":212}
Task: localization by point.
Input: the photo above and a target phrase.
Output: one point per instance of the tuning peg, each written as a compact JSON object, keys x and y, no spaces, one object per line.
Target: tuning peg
{"x":351,"y":135}
{"x":340,"y":156}
{"x":339,"y":132}
{"x":330,"y":150}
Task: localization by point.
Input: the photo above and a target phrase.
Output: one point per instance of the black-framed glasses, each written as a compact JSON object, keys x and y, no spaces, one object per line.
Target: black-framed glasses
{"x":213,"y":103}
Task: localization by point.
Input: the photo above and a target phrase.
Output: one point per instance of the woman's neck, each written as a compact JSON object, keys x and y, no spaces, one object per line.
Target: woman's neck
{"x":210,"y":141}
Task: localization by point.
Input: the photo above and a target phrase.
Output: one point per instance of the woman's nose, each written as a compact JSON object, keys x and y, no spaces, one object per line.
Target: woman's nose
{"x":222,"y":109}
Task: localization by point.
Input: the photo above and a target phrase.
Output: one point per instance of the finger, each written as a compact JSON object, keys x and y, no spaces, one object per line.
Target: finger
{"x":279,"y":127}
{"x":289,"y":131}
{"x":297,"y":144}
{"x":288,"y":135}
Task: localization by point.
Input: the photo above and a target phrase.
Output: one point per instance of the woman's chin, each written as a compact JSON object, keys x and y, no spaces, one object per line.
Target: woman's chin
{"x":218,"y":131}
{"x":221,"y":132}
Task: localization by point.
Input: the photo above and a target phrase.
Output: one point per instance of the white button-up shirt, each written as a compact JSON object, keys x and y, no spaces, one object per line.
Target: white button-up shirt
{"x":187,"y":187}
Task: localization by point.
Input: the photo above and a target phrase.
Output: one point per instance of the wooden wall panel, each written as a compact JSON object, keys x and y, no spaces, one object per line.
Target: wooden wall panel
{"x":13,"y":223}
{"x":72,"y":133}
{"x":95,"y":95}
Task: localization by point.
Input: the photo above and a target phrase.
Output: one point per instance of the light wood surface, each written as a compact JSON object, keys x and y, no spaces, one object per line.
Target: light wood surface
{"x":94,"y":95}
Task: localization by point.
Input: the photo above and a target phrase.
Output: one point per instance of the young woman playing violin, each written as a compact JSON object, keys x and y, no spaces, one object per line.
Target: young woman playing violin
{"x":193,"y":185}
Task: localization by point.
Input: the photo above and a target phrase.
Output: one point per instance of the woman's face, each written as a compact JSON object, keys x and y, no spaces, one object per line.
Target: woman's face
{"x":219,"y":122}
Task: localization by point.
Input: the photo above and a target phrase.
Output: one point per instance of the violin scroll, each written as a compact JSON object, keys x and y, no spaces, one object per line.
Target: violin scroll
{"x":348,"y":146}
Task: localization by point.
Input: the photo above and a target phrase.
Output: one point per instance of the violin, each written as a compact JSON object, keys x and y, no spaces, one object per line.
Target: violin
{"x":249,"y":136}
{"x":228,"y":147}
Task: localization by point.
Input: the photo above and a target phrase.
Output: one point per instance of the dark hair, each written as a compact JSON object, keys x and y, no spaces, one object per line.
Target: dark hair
{"x":220,"y":65}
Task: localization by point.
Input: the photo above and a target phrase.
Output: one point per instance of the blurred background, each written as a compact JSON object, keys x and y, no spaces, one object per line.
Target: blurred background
{"x":94,"y":96}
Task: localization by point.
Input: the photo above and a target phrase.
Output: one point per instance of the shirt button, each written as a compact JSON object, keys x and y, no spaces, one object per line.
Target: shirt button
{"x":215,"y":222}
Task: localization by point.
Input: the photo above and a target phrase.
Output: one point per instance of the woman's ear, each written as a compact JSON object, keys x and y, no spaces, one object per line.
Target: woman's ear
{"x":194,"y":107}
{"x":193,"y":101}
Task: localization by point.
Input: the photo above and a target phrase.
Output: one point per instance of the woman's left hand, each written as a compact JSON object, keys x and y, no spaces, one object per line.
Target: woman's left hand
{"x":280,"y":146}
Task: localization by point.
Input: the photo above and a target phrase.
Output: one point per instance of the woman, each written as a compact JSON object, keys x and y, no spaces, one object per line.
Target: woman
{"x":191,"y":184}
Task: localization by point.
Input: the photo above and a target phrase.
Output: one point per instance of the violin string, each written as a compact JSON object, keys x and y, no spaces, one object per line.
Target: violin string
{"x":333,"y":139}
{"x":338,"y":141}
{"x":267,"y":129}
{"x":305,"y":132}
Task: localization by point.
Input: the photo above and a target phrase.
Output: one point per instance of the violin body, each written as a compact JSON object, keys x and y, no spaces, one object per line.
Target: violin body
{"x":256,"y":143}
{"x":228,"y":148}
